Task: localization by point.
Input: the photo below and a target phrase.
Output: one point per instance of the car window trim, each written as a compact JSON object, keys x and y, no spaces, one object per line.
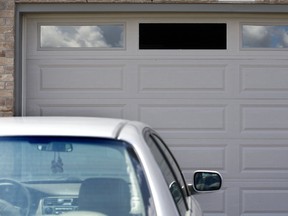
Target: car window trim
{"x":152,"y":133}
{"x":176,"y":163}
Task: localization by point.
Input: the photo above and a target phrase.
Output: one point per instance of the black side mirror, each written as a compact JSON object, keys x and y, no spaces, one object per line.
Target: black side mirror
{"x":206,"y":181}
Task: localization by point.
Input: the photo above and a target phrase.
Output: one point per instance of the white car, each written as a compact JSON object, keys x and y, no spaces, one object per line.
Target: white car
{"x":92,"y":167}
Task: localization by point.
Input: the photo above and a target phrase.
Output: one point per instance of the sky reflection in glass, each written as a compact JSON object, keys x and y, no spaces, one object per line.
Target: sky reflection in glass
{"x":97,"y":36}
{"x":264,"y":36}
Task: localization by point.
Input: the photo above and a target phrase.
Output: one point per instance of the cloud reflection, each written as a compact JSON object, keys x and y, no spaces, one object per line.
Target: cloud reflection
{"x":256,"y":36}
{"x":101,"y":36}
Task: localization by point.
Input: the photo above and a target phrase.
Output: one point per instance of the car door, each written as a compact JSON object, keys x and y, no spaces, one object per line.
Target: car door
{"x":170,"y":170}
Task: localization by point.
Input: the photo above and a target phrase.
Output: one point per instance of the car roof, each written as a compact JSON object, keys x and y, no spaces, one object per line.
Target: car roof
{"x":63,"y":126}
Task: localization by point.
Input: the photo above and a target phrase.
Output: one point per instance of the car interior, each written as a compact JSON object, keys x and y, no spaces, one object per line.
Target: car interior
{"x":71,"y":176}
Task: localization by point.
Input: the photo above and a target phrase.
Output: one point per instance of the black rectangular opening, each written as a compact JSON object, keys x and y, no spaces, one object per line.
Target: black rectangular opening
{"x":182,"y":36}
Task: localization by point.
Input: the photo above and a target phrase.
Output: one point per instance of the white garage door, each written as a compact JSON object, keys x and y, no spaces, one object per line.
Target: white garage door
{"x":220,"y":99}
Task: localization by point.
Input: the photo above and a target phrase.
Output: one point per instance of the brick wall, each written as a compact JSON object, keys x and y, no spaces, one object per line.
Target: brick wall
{"x":7,"y":19}
{"x":155,"y":1}
{"x":6,"y":56}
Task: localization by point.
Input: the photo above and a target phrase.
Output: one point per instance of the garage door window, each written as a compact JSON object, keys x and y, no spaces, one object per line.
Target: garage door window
{"x":103,"y":36}
{"x":210,"y":36}
{"x":265,"y":36}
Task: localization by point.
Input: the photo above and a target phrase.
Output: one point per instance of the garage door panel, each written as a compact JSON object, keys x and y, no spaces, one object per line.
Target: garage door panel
{"x":79,"y":78}
{"x":175,"y":118}
{"x":252,"y":199}
{"x":269,"y":80}
{"x":70,"y":79}
{"x":197,"y":157}
{"x":217,"y":206}
{"x":205,"y":154}
{"x":269,"y":118}
{"x":68,"y":108}
{"x":56,"y":79}
{"x":265,"y":160}
{"x":230,"y":120}
{"x":188,"y":118}
{"x":186,"y":78}
{"x":261,"y":201}
{"x":258,"y":160}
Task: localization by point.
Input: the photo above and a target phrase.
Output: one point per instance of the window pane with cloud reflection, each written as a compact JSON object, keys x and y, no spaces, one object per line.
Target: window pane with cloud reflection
{"x":76,"y":36}
{"x":265,"y":36}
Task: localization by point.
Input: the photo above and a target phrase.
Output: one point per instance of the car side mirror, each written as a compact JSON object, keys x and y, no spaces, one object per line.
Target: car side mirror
{"x":206,"y":181}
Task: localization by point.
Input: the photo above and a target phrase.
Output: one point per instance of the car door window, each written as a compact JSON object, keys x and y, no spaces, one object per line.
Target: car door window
{"x":169,"y":169}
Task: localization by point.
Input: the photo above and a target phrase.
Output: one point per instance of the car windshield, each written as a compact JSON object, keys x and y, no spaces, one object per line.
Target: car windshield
{"x":90,"y":162}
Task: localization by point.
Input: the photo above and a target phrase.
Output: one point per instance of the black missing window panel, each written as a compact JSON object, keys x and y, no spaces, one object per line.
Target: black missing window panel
{"x":183,"y":36}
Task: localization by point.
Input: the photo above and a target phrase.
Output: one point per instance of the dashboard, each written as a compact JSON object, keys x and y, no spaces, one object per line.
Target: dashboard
{"x":62,"y":198}
{"x":53,"y":199}
{"x":57,"y":205}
